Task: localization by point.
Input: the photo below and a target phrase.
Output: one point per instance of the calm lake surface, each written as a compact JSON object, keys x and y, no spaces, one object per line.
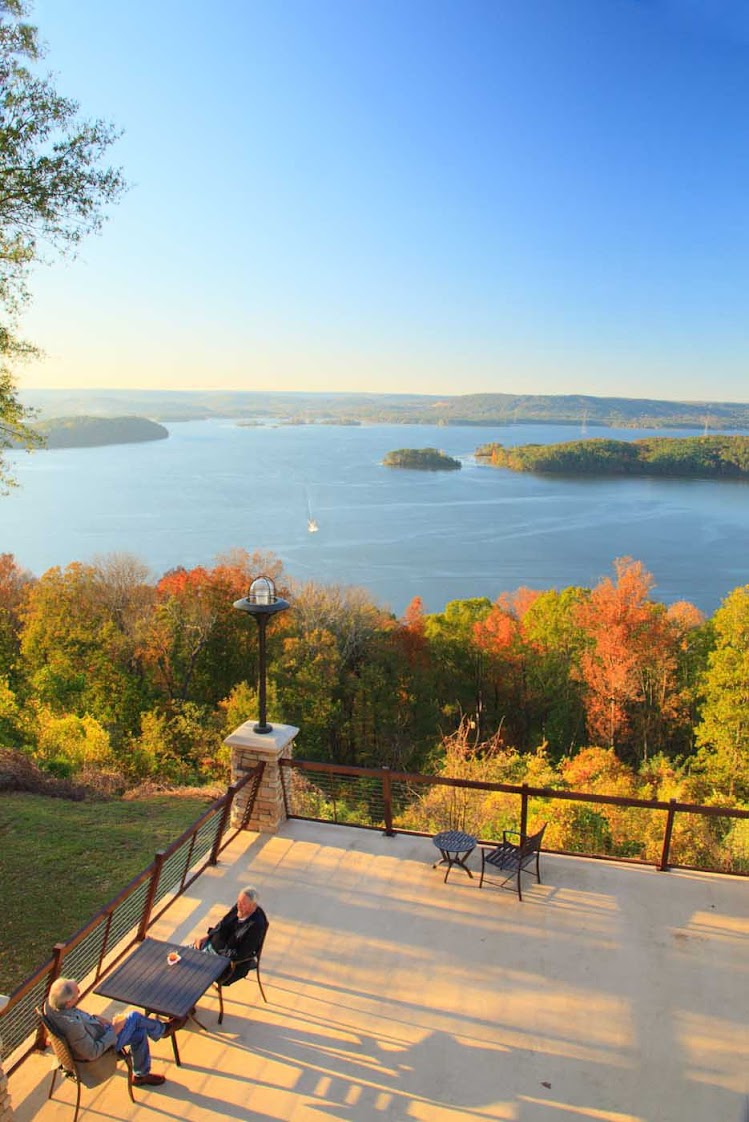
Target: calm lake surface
{"x":442,"y":536}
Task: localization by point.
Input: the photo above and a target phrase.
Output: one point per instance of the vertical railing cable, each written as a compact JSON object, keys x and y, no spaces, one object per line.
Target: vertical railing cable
{"x":387,"y":802}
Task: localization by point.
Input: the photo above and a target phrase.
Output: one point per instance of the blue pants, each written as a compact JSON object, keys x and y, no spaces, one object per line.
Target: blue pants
{"x":135,"y":1031}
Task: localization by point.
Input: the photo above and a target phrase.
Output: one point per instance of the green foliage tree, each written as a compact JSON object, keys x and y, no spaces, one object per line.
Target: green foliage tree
{"x":723,"y":733}
{"x":555,"y":642}
{"x":10,"y":725}
{"x":463,"y":680}
{"x":13,"y":582}
{"x":79,"y":642}
{"x":67,"y":741}
{"x":53,"y":191}
{"x":178,"y":745}
{"x":307,"y":679}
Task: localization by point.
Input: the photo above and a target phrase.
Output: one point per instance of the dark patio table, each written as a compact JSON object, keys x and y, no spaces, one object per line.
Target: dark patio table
{"x":146,"y":979}
{"x":455,"y":847}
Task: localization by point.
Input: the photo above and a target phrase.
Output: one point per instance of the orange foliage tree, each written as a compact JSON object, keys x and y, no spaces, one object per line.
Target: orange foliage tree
{"x":633,"y":695}
{"x":197,"y":644}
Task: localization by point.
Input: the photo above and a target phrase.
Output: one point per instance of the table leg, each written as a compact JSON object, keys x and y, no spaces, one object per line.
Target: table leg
{"x":175,"y":1049}
{"x":192,"y":1017}
{"x":462,"y":861}
{"x":451,"y":859}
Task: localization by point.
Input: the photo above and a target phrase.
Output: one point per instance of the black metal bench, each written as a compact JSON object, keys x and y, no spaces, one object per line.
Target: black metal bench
{"x":511,"y":858}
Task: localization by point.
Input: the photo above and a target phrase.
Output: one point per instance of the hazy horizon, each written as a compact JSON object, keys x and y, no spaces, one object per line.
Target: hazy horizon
{"x":219,"y":389}
{"x":544,"y":198}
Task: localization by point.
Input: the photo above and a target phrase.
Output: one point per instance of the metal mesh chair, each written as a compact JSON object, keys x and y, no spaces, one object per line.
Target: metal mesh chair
{"x":86,"y":1073}
{"x":512,"y":859}
{"x":237,"y":969}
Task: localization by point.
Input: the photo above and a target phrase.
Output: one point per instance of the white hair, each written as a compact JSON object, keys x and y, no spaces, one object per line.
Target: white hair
{"x":62,"y":992}
{"x":250,"y":893}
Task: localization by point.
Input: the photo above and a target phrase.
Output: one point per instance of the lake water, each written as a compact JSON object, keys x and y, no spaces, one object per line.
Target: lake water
{"x":443,"y":536}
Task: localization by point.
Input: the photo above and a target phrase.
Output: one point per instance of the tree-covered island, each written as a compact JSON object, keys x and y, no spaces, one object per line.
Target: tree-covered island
{"x":704,"y":457}
{"x":421,"y":459}
{"x":92,"y":432}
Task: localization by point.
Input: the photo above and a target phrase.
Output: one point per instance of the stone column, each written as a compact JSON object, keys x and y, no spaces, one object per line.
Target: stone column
{"x":6,"y":1110}
{"x":247,"y":749}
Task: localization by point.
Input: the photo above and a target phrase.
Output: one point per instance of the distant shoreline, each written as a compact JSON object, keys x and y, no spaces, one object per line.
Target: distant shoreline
{"x":463,"y":410}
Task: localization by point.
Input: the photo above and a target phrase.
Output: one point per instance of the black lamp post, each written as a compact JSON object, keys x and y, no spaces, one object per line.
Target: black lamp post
{"x":261,"y":602}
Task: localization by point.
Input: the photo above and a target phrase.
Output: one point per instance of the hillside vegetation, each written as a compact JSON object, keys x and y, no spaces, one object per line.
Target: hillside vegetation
{"x":421,"y":459}
{"x":722,"y":457}
{"x":91,"y":432}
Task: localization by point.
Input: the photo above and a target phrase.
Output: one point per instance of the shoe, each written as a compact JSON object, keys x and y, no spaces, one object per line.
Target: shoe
{"x":149,"y":1080}
{"x":174,"y":1024}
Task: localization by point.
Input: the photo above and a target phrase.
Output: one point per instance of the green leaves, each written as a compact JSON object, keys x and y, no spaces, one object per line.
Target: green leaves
{"x":54,"y":188}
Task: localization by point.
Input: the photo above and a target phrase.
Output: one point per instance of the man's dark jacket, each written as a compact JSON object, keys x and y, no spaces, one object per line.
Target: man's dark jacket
{"x":239,"y":940}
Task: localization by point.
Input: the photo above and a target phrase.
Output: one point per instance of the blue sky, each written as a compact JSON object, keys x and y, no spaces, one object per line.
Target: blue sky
{"x":540,"y":196}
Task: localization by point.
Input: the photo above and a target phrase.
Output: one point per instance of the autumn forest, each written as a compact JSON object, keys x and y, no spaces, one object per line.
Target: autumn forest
{"x":109,"y":679}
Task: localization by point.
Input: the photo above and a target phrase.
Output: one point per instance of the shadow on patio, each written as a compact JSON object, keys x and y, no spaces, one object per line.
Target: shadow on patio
{"x":611,"y":992}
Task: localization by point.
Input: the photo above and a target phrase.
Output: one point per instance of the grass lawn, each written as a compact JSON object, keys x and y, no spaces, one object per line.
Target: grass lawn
{"x":61,"y":861}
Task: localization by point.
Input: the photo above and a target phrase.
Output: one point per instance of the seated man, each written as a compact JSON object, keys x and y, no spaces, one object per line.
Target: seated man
{"x":238,"y":936}
{"x":89,"y":1037}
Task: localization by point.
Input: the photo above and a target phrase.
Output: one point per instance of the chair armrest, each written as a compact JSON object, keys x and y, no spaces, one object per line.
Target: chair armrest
{"x":233,"y":963}
{"x":514,"y":833}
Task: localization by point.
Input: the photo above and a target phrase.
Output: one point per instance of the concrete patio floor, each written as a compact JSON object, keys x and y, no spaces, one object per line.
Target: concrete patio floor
{"x":611,"y":992}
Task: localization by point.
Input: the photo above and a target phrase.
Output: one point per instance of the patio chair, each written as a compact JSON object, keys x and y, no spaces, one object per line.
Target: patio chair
{"x":237,"y":969}
{"x":512,"y":858}
{"x":86,"y":1073}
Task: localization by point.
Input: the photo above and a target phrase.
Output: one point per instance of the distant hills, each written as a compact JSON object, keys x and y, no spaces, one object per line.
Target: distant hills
{"x":347,"y":408}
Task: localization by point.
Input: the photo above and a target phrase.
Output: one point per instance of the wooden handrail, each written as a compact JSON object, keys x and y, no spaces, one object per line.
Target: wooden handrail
{"x":513,"y":789}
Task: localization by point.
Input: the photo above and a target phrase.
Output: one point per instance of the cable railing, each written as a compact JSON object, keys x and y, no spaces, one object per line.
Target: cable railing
{"x":667,"y":834}
{"x":124,"y":921}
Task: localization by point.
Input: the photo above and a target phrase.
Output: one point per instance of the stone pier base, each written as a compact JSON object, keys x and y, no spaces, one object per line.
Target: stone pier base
{"x":249,"y":748}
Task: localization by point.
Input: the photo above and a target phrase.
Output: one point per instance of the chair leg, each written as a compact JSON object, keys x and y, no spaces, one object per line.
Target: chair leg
{"x":220,"y":1004}
{"x":520,"y":891}
{"x":538,"y":866}
{"x":129,"y":1066}
{"x":52,"y":1084}
{"x":78,"y":1100}
{"x":482,"y":869}
{"x":257,"y":971}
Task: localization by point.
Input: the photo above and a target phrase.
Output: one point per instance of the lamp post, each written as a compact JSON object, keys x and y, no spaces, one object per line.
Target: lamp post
{"x":261,"y":603}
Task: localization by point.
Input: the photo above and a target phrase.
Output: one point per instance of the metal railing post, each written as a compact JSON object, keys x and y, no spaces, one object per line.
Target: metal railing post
{"x":663,"y":867}
{"x":231,"y":792}
{"x":145,"y":918}
{"x":387,"y":802}
{"x":524,"y":812}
